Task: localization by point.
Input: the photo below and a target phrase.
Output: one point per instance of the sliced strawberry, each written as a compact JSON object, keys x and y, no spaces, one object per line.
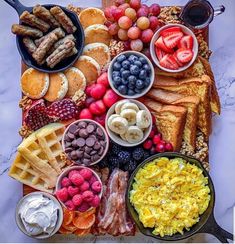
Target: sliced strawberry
{"x":178,"y":62}
{"x":169,"y":62}
{"x":186,"y":42}
{"x":160,"y":44}
{"x":160,"y":53}
{"x":172,"y":40}
{"x":170,"y":30}
{"x":184,"y":55}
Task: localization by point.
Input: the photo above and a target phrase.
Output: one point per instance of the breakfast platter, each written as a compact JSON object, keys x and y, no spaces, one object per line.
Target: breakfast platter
{"x":117,"y":112}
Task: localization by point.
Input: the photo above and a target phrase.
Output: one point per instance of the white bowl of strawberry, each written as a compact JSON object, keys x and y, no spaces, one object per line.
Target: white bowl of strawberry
{"x":79,"y":188}
{"x":174,"y":48}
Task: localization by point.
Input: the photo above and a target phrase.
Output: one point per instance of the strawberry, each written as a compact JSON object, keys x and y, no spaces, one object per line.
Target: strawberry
{"x":186,"y":42}
{"x":169,"y":62}
{"x":172,"y":40}
{"x":170,"y":30}
{"x":177,"y":61}
{"x":160,"y":53}
{"x":160,"y":44}
{"x":184,"y":55}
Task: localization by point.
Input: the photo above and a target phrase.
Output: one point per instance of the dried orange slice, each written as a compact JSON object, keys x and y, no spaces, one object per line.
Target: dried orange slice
{"x":87,"y":213}
{"x":68,"y":216}
{"x":71,"y":227}
{"x":62,"y":230}
{"x":81,"y":232}
{"x":84,"y":223}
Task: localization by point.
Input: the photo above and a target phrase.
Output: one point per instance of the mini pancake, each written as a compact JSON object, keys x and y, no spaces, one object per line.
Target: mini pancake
{"x":58,"y":87}
{"x":91,"y":16}
{"x":98,"y":51}
{"x":34,"y":84}
{"x":89,"y":67}
{"x":76,"y":79}
{"x":97,"y":33}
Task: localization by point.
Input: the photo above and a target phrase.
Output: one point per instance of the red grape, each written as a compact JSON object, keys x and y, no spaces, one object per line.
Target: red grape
{"x":108,"y":12}
{"x":124,"y":6}
{"x":119,"y":2}
{"x":113,"y":29}
{"x":136,"y":4}
{"x":122,"y":35}
{"x":134,"y":33}
{"x":108,"y":23}
{"x":143,"y":23}
{"x":124,"y":22}
{"x":146,"y":35}
{"x":155,"y":9}
{"x":127,"y":45}
{"x":118,"y":13}
{"x":136,"y":45}
{"x":131,"y":13}
{"x":142,"y":12}
{"x":154,"y":23}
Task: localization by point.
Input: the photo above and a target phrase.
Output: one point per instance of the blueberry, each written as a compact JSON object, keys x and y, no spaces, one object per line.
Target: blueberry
{"x":132,"y":58}
{"x":138,"y":63}
{"x":130,"y":92}
{"x":121,"y":70}
{"x":124,"y":81}
{"x":131,"y":86}
{"x":132,"y":79}
{"x":117,"y":66}
{"x":147,"y":67}
{"x":134,"y":69}
{"x":138,"y":91}
{"x":139,"y":84}
{"x":147,"y":81}
{"x":125,"y":74}
{"x":115,"y":73}
{"x":143,"y":74}
{"x":143,"y":60}
{"x":122,"y":89}
{"x":121,"y":58}
{"x":117,"y":80}
{"x":126,"y":64}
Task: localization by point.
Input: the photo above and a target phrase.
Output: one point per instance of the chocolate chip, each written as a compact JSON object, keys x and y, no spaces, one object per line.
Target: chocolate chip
{"x":86,"y":161}
{"x":97,"y":145}
{"x":76,"y":133}
{"x":88,"y":149}
{"x":74,"y":143}
{"x":96,"y":157}
{"x":101,"y":151}
{"x":103,"y":143}
{"x":67,"y":144}
{"x":93,"y":152}
{"x":90,"y":142}
{"x":71,"y":136}
{"x":90,"y":128}
{"x":79,"y":153}
{"x":82,"y":124}
{"x":86,"y":155}
{"x":93,"y":136}
{"x":99,"y":131}
{"x":68,"y":149}
{"x":73,"y":155}
{"x":67,"y":138}
{"x":80,"y":142}
{"x":72,"y":128}
{"x":83,"y":133}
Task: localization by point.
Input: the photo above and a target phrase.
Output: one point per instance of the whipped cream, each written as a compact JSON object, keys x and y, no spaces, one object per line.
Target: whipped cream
{"x":39,"y":214}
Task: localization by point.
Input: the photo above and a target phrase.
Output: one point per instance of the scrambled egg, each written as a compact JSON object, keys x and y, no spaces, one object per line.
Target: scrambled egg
{"x":169,"y":195}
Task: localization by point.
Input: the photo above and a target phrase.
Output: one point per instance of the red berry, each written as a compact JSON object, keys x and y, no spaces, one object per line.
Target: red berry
{"x":154,"y":128}
{"x":88,"y":89}
{"x":83,"y":207}
{"x":169,"y":147}
{"x":62,"y":194}
{"x":110,"y":98}
{"x":152,"y":150}
{"x":127,"y":45}
{"x":77,"y":200}
{"x":100,"y":119}
{"x":97,"y":108}
{"x":95,"y":202}
{"x":160,"y":147}
{"x":69,"y":205}
{"x":87,"y":196}
{"x":148,"y":144}
{"x":98,"y":91}
{"x":88,"y":101}
{"x":84,"y":186}
{"x":163,"y":142}
{"x":86,"y":173}
{"x":103,"y":79}
{"x":152,"y":133}
{"x":92,"y":180}
{"x":157,"y":139}
{"x":108,"y":12}
{"x":65,"y":182}
{"x":96,"y":186}
{"x":72,"y":172}
{"x":85,"y":114}
{"x":77,"y":179}
{"x":73,"y":190}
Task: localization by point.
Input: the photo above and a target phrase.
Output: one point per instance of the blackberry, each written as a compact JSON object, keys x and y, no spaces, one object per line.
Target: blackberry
{"x":116,"y":149}
{"x":130,"y":166}
{"x":113,"y":162}
{"x":138,"y":153}
{"x":124,"y":157}
{"x":146,"y":154}
{"x":103,"y":163}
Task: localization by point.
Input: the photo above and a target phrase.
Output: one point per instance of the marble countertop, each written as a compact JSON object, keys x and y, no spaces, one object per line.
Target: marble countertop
{"x":222,"y":140}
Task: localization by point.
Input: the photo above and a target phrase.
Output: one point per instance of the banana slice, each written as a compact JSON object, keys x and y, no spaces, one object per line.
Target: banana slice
{"x":134,"y":134}
{"x":123,"y":136}
{"x":129,"y":115}
{"x":119,"y":125}
{"x":119,"y":106}
{"x":110,"y":119}
{"x":143,"y":120}
{"x":130,"y":106}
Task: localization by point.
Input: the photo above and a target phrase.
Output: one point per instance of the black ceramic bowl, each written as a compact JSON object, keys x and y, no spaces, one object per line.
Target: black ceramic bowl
{"x":63,"y":65}
{"x":206,"y":224}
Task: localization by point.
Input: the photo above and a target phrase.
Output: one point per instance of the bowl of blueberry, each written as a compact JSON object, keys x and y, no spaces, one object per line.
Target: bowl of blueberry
{"x":131,"y":74}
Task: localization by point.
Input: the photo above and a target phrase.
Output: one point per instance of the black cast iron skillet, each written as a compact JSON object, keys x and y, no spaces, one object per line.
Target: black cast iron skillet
{"x":27,"y":58}
{"x":206,"y":224}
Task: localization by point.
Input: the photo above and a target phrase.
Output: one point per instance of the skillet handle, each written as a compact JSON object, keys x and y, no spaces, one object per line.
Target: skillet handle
{"x":17,"y":5}
{"x":213,"y":228}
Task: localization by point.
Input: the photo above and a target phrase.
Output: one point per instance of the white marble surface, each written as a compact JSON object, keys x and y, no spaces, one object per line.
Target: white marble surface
{"x":222,"y":141}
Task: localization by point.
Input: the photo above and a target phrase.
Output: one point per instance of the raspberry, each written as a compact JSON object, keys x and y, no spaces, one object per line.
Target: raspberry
{"x":96,"y":186}
{"x":62,"y":194}
{"x":87,"y":196}
{"x":73,"y":190}
{"x":77,"y":179}
{"x":66,"y":182}
{"x":69,"y":205}
{"x":72,"y":172}
{"x":84,"y":186}
{"x":77,"y":200}
{"x":92,"y":180}
{"x":95,"y":202}
{"x":83,"y":207}
{"x":85,"y":173}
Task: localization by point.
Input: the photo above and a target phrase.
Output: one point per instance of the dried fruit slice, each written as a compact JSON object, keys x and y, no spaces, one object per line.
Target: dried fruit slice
{"x":71,"y":227}
{"x":64,"y":231}
{"x":87,"y":213}
{"x":84,"y":223}
{"x":82,"y":232}
{"x":68,"y":216}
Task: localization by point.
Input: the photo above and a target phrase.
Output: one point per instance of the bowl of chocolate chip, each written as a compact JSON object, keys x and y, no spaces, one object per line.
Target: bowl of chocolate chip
{"x":85,"y":142}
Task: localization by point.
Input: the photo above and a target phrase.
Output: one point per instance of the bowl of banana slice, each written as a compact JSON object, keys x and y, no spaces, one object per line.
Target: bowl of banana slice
{"x":128,"y":122}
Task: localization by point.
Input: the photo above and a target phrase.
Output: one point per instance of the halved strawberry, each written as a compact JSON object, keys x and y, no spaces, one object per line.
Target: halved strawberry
{"x":178,"y":62}
{"x":160,"y":44}
{"x":169,"y":62}
{"x":160,"y":53}
{"x":186,"y":42}
{"x":184,"y":55}
{"x":172,"y":40}
{"x":170,"y":30}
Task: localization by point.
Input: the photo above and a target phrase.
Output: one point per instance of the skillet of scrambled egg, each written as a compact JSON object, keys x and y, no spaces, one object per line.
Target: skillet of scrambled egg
{"x":169,"y":195}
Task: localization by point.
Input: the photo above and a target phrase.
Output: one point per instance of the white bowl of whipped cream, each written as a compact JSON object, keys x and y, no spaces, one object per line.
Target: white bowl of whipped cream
{"x":39,"y":215}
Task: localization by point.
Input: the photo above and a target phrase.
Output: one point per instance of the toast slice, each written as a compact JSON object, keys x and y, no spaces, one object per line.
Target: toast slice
{"x":199,"y":68}
{"x":199,"y":87}
{"x":170,"y":121}
{"x":189,"y":102}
